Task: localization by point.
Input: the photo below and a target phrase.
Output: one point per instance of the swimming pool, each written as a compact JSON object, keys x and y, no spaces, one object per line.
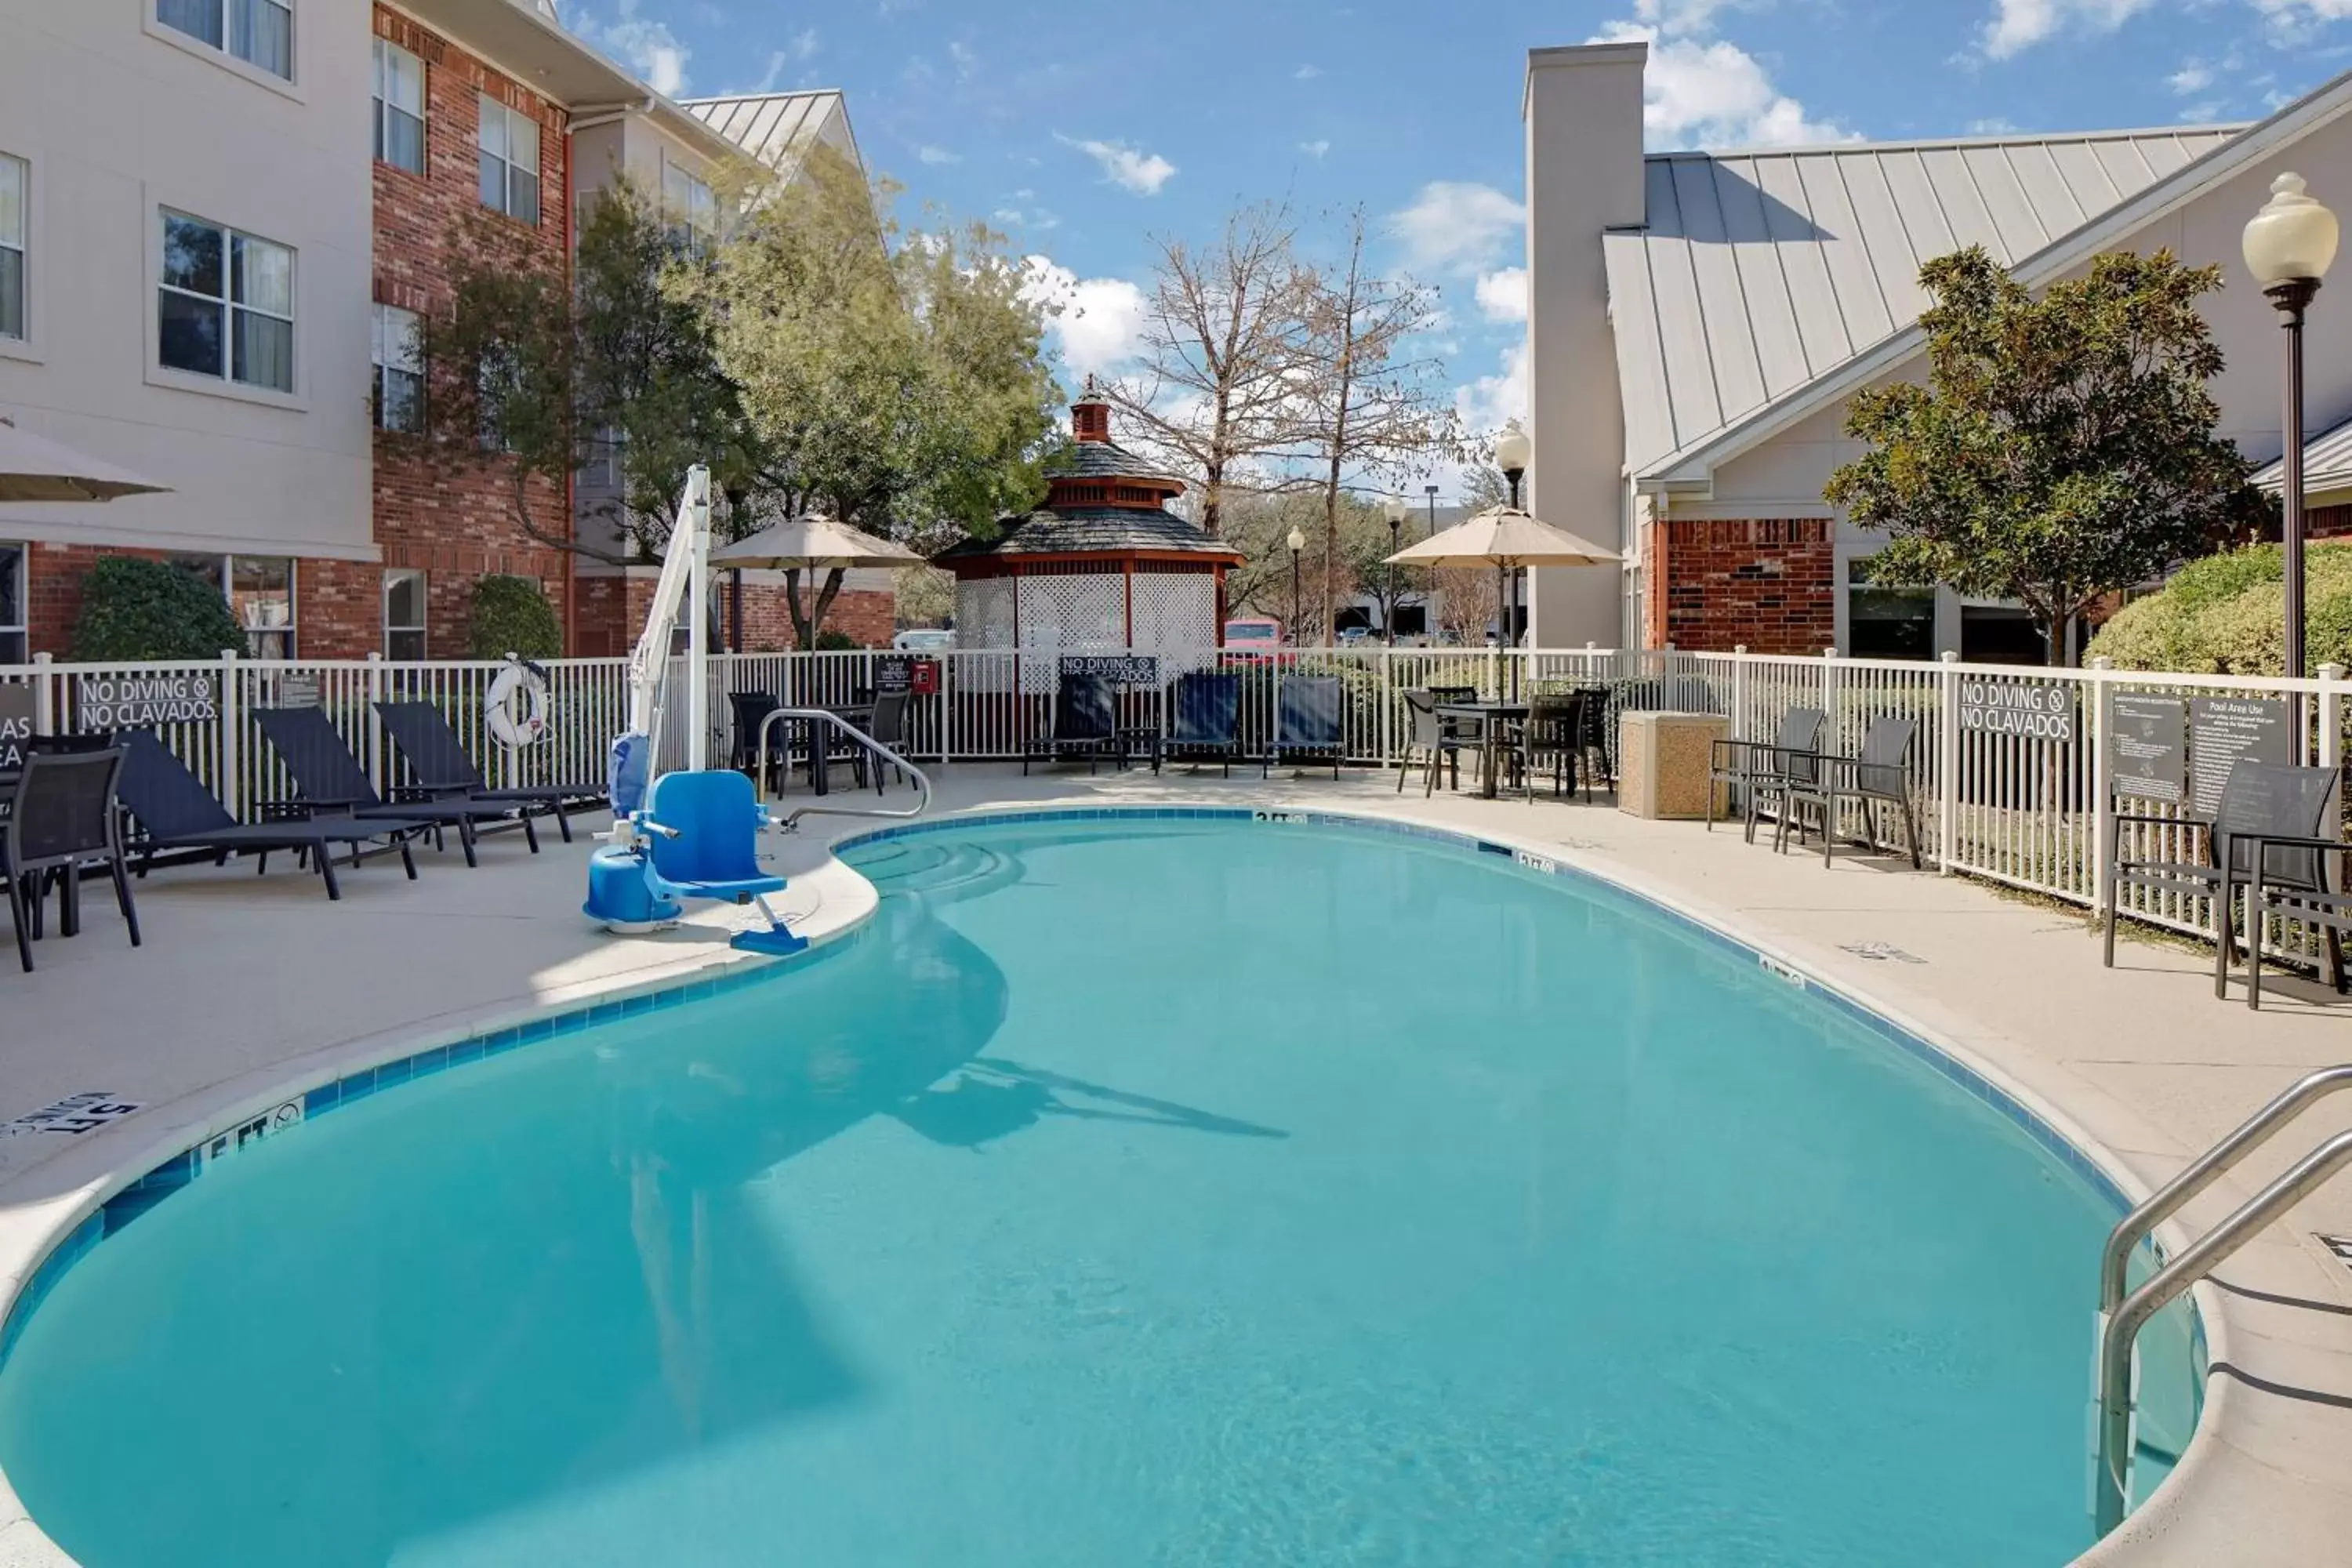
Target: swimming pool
{"x":1129,"y":1192}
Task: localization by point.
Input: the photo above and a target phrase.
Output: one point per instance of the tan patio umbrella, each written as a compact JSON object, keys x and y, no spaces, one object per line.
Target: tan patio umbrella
{"x":813,"y":545}
{"x":36,"y":469}
{"x":1510,"y":541}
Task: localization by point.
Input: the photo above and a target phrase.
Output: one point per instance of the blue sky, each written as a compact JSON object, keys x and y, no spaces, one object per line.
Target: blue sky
{"x":1081,"y":129}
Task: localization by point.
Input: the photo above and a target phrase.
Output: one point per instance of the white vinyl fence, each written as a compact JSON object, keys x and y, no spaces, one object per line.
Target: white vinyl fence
{"x":2010,"y":769}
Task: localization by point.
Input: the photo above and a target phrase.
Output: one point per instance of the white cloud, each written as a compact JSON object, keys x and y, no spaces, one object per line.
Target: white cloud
{"x":1456,"y":226}
{"x":1677,"y":17}
{"x":1100,"y":324}
{"x":2018,"y":25}
{"x":647,"y":47}
{"x":1702,"y":91}
{"x":1996,"y":125}
{"x":1503,"y":296}
{"x":964,"y":59}
{"x":1317,"y":148}
{"x":1487,"y":402}
{"x":1130,"y":168}
{"x":2194,"y":77}
{"x":1306,"y":73}
{"x":935,"y":156}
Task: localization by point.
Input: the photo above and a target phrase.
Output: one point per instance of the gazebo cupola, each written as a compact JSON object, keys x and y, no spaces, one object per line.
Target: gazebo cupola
{"x":1102,"y":564}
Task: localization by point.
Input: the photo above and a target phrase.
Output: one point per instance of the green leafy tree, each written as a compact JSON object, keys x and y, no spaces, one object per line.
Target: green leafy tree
{"x":892,"y":380}
{"x":511,"y":615}
{"x":133,"y":608}
{"x":525,"y":377}
{"x":2063,"y":447}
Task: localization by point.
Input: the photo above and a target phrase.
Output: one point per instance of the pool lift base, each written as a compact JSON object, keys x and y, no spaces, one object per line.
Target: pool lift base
{"x":692,"y":833}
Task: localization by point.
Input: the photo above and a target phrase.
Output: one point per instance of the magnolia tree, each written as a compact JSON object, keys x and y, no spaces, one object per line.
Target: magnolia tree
{"x":2063,"y":448}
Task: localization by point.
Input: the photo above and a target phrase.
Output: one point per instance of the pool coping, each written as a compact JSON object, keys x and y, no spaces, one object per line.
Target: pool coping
{"x":43,"y":1240}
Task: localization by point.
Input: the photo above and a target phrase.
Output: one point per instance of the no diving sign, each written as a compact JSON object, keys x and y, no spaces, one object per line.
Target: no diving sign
{"x":2027,"y":709}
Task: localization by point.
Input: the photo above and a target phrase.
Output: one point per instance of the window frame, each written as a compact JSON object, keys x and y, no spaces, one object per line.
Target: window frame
{"x":21,"y":627}
{"x":224,"y":381}
{"x":394,"y":575}
{"x":684,"y":232}
{"x":494,"y":109}
{"x":380,"y":369}
{"x":385,"y":108}
{"x":22,"y":245}
{"x":224,"y":53}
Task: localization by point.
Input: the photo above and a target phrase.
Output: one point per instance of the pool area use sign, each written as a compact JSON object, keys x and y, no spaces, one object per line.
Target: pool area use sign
{"x":137,"y":701}
{"x":2029,"y":710}
{"x":2147,"y":750}
{"x":15,"y":725}
{"x":2222,"y":731}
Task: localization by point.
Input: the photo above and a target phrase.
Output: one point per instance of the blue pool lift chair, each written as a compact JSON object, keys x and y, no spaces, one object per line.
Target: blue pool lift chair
{"x":700,"y":833}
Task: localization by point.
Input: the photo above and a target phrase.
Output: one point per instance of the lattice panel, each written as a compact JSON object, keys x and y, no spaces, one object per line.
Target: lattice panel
{"x":1073,"y":611}
{"x":1175,"y":610}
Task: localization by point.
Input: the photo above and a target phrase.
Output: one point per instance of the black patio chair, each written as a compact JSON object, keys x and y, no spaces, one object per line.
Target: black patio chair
{"x":750,"y":710}
{"x":1205,"y":720}
{"x":888,"y":729}
{"x":331,"y":782}
{"x":1880,"y":775}
{"x":61,"y":817}
{"x":439,"y":769}
{"x":1764,"y":769}
{"x":1432,"y":741}
{"x":2290,"y":810}
{"x":1555,"y":733}
{"x":1307,"y":723}
{"x":2291,"y":875}
{"x":174,"y":810}
{"x":1085,"y":723}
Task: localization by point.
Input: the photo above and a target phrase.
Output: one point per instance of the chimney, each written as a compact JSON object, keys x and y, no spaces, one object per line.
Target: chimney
{"x":1090,"y":414}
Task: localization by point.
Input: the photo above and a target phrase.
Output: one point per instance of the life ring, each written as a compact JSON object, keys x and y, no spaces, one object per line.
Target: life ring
{"x":512,"y":724}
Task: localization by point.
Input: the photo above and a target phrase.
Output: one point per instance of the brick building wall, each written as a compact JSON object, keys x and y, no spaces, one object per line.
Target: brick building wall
{"x":613,"y":609}
{"x":458,"y":521}
{"x":1768,"y":582}
{"x":2328,"y":523}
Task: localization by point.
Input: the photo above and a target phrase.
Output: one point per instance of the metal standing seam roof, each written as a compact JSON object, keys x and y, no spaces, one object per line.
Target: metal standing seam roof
{"x":776,"y":128}
{"x":1761,"y":271}
{"x":2326,"y":462}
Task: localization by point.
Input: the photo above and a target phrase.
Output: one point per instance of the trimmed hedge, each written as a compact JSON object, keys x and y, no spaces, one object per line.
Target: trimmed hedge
{"x":2226,"y":615}
{"x":511,"y":615}
{"x":133,"y":608}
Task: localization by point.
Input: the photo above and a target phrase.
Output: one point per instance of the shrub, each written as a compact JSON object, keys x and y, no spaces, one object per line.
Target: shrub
{"x":2225,"y":615}
{"x":831,"y":641}
{"x":136,"y":609}
{"x":511,"y":615}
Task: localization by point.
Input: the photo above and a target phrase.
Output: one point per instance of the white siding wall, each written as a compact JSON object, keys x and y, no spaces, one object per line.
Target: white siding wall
{"x":116,"y":119}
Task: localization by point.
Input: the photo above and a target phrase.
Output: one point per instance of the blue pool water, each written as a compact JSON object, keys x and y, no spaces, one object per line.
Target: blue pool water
{"x":1159,"y":1193}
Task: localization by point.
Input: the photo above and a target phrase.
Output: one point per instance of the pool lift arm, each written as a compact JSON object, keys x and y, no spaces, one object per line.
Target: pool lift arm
{"x":637,"y":881}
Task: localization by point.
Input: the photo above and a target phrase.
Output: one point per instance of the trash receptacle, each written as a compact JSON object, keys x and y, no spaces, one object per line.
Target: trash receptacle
{"x":1663,"y":764}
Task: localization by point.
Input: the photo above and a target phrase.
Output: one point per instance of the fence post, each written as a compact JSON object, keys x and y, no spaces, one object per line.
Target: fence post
{"x":1388,"y":705}
{"x":2103,"y":804}
{"x":375,"y":719}
{"x":231,"y":710}
{"x":1739,"y":691}
{"x":1948,"y":759}
{"x":44,"y":699}
{"x":2331,"y":716}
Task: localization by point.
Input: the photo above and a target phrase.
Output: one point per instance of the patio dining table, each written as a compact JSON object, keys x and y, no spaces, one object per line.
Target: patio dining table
{"x":816,"y":744}
{"x":1494,"y":719}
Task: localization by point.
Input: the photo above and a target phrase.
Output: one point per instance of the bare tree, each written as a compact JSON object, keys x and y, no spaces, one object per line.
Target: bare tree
{"x":1224,"y":340}
{"x":1467,"y":601}
{"x":1375,"y":405}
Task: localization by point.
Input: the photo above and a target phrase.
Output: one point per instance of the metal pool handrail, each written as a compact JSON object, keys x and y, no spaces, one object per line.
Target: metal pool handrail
{"x":2118,"y":1332}
{"x":791,"y":819}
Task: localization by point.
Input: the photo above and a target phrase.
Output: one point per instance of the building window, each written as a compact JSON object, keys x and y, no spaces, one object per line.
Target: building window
{"x":226,"y":307}
{"x":599,"y":466}
{"x":510,"y":161}
{"x":1888,"y":623}
{"x":689,"y":212}
{"x":399,"y":370}
{"x":259,"y":32}
{"x":260,"y":593}
{"x":399,"y":108}
{"x":404,"y":615}
{"x":14,"y":182}
{"x":13,"y":599}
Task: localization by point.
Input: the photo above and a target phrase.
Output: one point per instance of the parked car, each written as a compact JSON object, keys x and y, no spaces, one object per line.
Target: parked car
{"x":924,"y":639}
{"x":1352,"y":637}
{"x":1253,"y":634}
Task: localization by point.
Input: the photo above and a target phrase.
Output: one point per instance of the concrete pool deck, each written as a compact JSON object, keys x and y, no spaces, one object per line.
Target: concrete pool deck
{"x":249,"y":986}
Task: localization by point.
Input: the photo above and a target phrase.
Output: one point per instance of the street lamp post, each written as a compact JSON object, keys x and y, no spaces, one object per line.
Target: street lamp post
{"x":2289,"y":245}
{"x":1431,"y":491}
{"x":1297,"y":541}
{"x":1396,"y":509}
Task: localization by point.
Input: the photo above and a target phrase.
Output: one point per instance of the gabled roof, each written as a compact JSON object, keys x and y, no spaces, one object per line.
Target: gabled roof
{"x":1760,"y":272}
{"x":2327,"y":463}
{"x":1693,"y":464}
{"x":778,"y":129}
